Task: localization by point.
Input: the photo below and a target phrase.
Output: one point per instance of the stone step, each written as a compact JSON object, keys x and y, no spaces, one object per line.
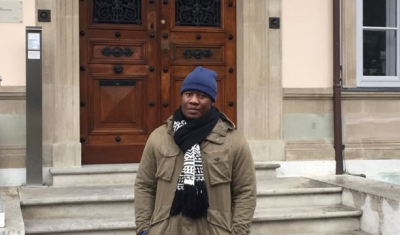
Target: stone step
{"x":105,"y":201}
{"x":315,"y":219}
{"x":123,"y":174}
{"x":275,"y":221}
{"x":90,"y":175}
{"x":87,"y":202}
{"x":296,"y":192}
{"x":336,"y":233}
{"x":82,"y":226}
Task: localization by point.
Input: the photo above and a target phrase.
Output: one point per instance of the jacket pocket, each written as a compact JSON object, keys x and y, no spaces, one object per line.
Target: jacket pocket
{"x":159,"y":222}
{"x":166,"y":163}
{"x":220,"y":222}
{"x":218,"y":167}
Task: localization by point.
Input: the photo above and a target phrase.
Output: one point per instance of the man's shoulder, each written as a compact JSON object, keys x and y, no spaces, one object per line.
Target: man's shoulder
{"x":161,"y":130}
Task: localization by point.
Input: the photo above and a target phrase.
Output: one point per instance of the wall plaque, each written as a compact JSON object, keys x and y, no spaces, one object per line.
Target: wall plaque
{"x":10,"y":11}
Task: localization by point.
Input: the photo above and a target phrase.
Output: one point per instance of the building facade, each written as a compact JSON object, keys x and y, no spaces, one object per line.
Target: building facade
{"x":284,"y":84}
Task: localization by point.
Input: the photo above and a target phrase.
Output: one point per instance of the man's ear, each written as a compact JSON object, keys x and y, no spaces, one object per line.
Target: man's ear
{"x":212,"y":104}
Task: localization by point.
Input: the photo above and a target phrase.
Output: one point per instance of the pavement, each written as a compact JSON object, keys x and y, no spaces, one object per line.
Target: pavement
{"x":14,"y":224}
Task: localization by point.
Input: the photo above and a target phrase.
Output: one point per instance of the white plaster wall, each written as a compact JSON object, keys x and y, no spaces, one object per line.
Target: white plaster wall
{"x":12,"y":46}
{"x":307,"y":41}
{"x":380,"y":216}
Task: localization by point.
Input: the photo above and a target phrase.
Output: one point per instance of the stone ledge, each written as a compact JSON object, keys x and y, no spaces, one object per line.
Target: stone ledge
{"x":96,"y":169}
{"x":379,"y":201}
{"x":327,"y":94}
{"x":373,"y":187}
{"x":126,"y":168}
{"x":302,"y":191}
{"x":51,"y":226}
{"x":264,"y":165}
{"x":12,"y":93}
{"x":337,"y":233}
{"x":299,"y":213}
{"x":46,"y":196}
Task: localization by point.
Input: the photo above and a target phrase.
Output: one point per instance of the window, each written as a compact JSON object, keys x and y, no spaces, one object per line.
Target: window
{"x":378,"y":43}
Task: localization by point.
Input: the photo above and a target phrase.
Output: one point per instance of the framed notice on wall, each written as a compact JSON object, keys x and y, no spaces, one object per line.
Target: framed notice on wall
{"x":10,"y":11}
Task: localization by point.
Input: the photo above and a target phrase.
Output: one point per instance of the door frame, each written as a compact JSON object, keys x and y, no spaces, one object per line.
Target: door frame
{"x":61,"y":122}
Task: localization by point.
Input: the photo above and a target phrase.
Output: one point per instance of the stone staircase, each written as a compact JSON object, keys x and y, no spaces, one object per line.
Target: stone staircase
{"x":99,"y":200}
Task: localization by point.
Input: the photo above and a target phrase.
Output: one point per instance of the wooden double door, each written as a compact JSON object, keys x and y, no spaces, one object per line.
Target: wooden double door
{"x":134,"y":56}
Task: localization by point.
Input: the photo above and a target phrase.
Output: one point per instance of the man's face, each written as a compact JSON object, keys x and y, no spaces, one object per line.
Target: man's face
{"x":195,"y":104}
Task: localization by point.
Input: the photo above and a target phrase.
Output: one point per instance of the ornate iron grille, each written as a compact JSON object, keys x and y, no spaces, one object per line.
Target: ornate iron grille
{"x":117,"y":11}
{"x":198,"y":13}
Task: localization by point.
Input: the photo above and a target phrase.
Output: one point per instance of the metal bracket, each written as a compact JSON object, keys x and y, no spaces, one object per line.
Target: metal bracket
{"x":274,"y":23}
{"x":44,"y":15}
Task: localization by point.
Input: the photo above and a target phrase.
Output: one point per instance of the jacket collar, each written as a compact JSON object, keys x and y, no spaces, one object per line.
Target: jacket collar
{"x":221,"y":128}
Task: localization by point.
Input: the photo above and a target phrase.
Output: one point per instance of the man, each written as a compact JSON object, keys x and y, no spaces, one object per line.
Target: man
{"x":196,"y":175}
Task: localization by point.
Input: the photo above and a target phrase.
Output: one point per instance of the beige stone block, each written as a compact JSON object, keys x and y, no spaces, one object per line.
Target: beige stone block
{"x":352,"y":106}
{"x":255,"y":11}
{"x":267,"y":150}
{"x":7,"y":162}
{"x":255,"y":56}
{"x":275,"y":8}
{"x":308,"y":106}
{"x":12,"y":156}
{"x":240,"y":110}
{"x":255,"y":121}
{"x":382,"y":106}
{"x":12,"y":100}
{"x":372,"y":149}
{"x":66,"y":154}
{"x":364,"y":126}
{"x":48,"y":118}
{"x":307,"y":100}
{"x":309,"y":150}
{"x":372,"y":154}
{"x":13,"y":107}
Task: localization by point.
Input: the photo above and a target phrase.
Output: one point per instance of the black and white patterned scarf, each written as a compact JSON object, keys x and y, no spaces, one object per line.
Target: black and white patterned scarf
{"x":191,"y":197}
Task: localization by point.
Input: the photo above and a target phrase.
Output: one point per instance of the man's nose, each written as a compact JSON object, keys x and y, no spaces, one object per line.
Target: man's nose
{"x":194,"y":99}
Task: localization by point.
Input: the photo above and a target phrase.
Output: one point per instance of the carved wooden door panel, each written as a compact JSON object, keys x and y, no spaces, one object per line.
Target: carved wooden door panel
{"x":134,"y":55}
{"x":198,"y":33}
{"x":118,"y":82}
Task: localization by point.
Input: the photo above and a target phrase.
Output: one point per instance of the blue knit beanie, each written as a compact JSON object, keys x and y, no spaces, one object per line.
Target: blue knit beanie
{"x":203,"y":80}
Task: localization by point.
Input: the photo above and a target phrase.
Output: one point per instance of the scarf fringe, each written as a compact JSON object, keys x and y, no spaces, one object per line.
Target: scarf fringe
{"x":192,"y":201}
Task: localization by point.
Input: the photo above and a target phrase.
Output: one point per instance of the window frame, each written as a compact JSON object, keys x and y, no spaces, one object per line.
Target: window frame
{"x":374,"y":81}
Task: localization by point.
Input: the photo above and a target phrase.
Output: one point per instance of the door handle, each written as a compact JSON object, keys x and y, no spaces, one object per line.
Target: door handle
{"x":118,"y":68}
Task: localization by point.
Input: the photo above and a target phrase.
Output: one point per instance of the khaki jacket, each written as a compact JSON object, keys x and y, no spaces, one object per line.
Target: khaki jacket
{"x":229,"y":175}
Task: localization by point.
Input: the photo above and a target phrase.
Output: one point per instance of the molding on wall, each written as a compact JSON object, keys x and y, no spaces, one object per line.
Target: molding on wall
{"x":12,"y":93}
{"x":370,"y":95}
{"x":307,"y":93}
{"x":309,"y":150}
{"x":377,"y":149}
{"x":327,"y":94}
{"x":12,"y":156}
{"x":369,"y":149}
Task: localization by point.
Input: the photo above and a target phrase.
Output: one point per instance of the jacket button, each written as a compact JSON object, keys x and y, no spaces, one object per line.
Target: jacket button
{"x":217,"y":159}
{"x":217,"y":140}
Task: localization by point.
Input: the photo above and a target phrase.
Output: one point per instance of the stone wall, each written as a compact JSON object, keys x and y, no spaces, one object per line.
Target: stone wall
{"x":371,"y":124}
{"x":12,"y":127}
